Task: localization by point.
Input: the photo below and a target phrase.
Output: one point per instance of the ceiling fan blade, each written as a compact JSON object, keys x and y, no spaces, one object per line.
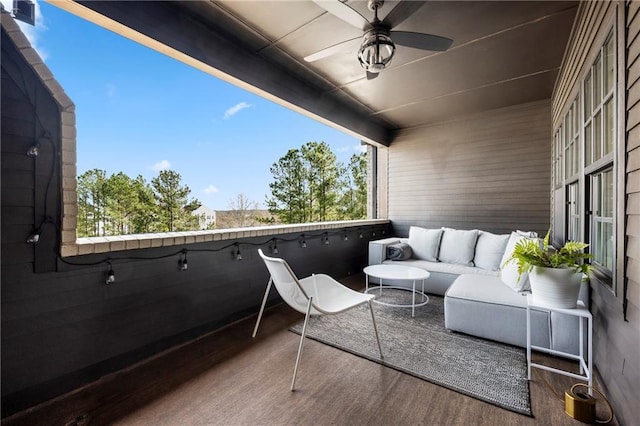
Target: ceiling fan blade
{"x":372,"y":75}
{"x":344,"y":46}
{"x":344,"y":12}
{"x":400,"y":13}
{"x":421,"y":41}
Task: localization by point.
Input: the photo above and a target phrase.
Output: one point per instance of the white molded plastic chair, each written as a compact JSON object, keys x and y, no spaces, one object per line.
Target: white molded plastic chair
{"x":315,"y":295}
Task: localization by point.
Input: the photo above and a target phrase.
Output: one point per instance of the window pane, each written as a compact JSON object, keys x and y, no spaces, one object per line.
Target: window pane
{"x":587,"y":97}
{"x":573,"y":201}
{"x":597,"y":243}
{"x":576,"y":156}
{"x":608,"y":126}
{"x":576,"y":116}
{"x":607,"y":246}
{"x":597,"y":190}
{"x":587,"y":145}
{"x":602,"y":241}
{"x":597,"y":75}
{"x":597,"y":148}
{"x":607,"y":194}
{"x":609,"y":61}
{"x":557,"y":152}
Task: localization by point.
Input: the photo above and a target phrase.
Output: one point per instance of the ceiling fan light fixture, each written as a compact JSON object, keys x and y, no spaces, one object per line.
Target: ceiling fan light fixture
{"x":376,"y":51}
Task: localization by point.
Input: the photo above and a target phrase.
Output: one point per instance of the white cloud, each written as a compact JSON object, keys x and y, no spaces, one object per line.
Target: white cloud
{"x":210,"y":190}
{"x":360,"y":148}
{"x":161,"y":165}
{"x":32,"y":33}
{"x":343,"y":149}
{"x":236,"y":109}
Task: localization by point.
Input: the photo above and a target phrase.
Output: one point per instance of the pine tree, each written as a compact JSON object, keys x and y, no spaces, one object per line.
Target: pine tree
{"x":310,"y":185}
{"x":172,"y":199}
{"x":91,"y":203}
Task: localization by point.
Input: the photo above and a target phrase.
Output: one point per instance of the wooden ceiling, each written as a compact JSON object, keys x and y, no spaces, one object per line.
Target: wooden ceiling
{"x":503,"y":53}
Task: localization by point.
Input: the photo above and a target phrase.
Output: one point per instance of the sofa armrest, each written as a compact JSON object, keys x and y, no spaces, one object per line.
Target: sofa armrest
{"x":378,"y":249}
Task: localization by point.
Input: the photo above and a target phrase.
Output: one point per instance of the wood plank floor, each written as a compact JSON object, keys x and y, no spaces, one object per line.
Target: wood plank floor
{"x":228,"y":378}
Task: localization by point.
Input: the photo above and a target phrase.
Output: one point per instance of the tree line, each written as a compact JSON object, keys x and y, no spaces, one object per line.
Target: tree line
{"x":309,"y":185}
{"x":119,"y":204}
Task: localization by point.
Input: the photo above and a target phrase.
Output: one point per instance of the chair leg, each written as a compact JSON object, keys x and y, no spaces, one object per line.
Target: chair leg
{"x":304,"y":332}
{"x":264,"y":302}
{"x":375,"y":328}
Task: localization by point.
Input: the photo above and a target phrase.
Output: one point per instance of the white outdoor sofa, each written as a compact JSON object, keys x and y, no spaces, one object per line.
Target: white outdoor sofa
{"x":480,"y":298}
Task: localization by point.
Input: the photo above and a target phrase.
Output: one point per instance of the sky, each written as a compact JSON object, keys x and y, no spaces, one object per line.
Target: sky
{"x":139,"y":112}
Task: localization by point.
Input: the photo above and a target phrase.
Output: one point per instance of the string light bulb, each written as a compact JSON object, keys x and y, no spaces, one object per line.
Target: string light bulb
{"x":238,"y":255}
{"x":325,"y":238}
{"x":345,"y":237}
{"x":34,"y":150}
{"x":33,"y":238}
{"x":111,"y":275}
{"x":303,"y":242}
{"x":184,"y":266}
{"x":274,"y":249}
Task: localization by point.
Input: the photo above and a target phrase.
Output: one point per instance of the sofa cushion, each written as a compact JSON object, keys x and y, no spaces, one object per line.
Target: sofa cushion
{"x":458,"y":246}
{"x":490,"y":250}
{"x":425,"y":242}
{"x":446,"y":268}
{"x":485,"y":288}
{"x":509,"y":273}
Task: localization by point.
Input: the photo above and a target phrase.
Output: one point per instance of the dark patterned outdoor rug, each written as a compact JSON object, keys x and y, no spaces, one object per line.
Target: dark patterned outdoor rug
{"x":421,"y":346}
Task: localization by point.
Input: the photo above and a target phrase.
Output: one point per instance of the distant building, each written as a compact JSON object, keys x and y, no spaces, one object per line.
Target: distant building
{"x":206,"y":217}
{"x":243,"y":218}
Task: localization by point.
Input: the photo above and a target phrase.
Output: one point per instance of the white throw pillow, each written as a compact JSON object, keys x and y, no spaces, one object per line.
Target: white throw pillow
{"x":424,"y":243}
{"x":528,"y":234}
{"x":509,"y":272}
{"x":490,"y":250}
{"x":458,"y":246}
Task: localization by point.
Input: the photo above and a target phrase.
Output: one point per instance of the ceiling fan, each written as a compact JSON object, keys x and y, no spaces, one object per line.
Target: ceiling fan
{"x":376,"y":46}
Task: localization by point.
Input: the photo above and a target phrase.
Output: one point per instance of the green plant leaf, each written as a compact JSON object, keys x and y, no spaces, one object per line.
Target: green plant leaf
{"x":528,"y":252}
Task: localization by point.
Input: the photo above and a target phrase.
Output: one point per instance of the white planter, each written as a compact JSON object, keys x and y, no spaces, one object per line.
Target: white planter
{"x":555,"y":287}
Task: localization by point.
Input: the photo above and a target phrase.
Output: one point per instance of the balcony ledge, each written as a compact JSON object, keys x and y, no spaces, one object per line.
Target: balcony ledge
{"x":95,"y":245}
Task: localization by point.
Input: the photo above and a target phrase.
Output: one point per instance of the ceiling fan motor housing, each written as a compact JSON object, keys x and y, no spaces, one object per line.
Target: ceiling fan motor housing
{"x":376,"y":50}
{"x":373,"y":5}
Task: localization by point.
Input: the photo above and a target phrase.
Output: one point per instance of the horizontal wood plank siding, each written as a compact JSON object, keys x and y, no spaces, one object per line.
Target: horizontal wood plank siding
{"x":616,"y":337}
{"x":627,"y":381}
{"x":488,"y":171}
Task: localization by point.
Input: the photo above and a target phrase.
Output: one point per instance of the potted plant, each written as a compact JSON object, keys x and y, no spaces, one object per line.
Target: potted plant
{"x":555,"y":275}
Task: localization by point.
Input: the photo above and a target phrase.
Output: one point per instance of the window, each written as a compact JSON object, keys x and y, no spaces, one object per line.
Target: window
{"x":602,"y":236}
{"x":584,"y":143}
{"x":557,"y":158}
{"x":599,"y":105}
{"x":571,"y":141}
{"x":573,"y":212}
{"x":599,"y":144}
